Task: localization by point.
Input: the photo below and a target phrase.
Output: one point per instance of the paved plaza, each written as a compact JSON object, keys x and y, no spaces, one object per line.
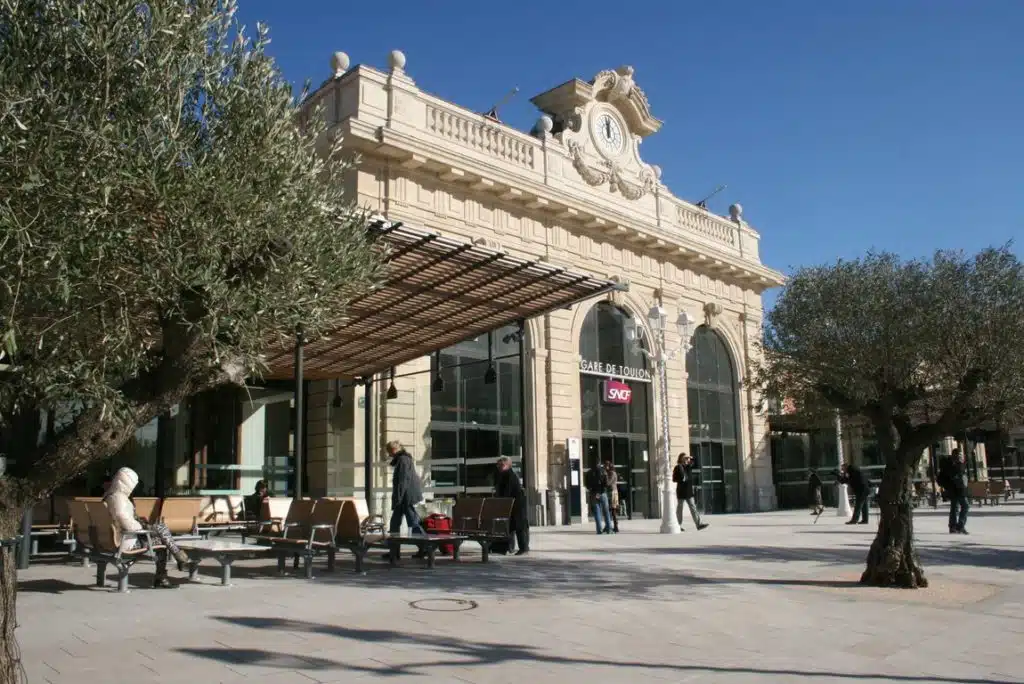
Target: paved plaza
{"x":755,"y":598}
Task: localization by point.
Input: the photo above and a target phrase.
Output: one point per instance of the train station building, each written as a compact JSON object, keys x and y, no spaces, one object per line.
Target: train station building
{"x":517,"y":318}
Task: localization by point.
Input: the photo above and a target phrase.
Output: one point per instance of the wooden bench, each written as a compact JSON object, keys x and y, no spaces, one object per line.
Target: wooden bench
{"x":181,"y":514}
{"x":99,"y":540}
{"x":269,"y":518}
{"x":493,"y":524}
{"x":47,"y":522}
{"x":221,"y":514}
{"x":308,"y":534}
{"x":998,"y":489}
{"x":979,"y":492}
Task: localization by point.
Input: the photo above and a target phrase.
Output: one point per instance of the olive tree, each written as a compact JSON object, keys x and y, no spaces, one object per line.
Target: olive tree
{"x":915,"y":350}
{"x":163,"y":219}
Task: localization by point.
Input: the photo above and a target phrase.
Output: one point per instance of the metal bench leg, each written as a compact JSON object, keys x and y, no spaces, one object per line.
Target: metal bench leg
{"x":280,"y":563}
{"x":456,"y":548}
{"x":330,"y":560}
{"x":360,"y":554}
{"x":101,"y":573}
{"x":307,"y":565}
{"x":225,"y":571}
{"x":122,"y":579}
{"x":485,"y":549}
{"x":295,"y":562}
{"x":431,"y":554}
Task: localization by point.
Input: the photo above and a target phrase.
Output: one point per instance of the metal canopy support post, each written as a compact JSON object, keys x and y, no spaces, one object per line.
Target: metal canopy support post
{"x":300,"y":413}
{"x":522,"y":411}
{"x":368,"y":445}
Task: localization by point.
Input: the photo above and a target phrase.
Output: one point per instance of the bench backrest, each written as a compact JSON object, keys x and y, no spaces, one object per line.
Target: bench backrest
{"x":61,"y":510}
{"x":79,"y":519}
{"x":275,"y":507}
{"x":103,"y":534}
{"x":222,"y":510}
{"x":180,"y":513}
{"x":466,"y":514}
{"x":299,"y":518}
{"x":349,"y":519}
{"x":495,"y":514}
{"x":147,"y":508}
{"x":977,"y":489}
{"x":42,"y":512}
{"x":326,"y":512}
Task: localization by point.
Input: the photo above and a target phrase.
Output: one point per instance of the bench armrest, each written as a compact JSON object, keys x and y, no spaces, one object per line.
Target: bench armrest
{"x":313,"y":529}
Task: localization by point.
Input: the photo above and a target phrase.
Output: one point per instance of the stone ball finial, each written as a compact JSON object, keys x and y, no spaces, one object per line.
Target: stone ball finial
{"x":736,"y":212}
{"x":657,"y":171}
{"x":339,"y":63}
{"x":545,"y":125}
{"x":396,"y":60}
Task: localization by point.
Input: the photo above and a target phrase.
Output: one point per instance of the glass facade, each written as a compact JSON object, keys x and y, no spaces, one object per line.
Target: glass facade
{"x":617,"y":432}
{"x":713,"y":399}
{"x":474,"y":414}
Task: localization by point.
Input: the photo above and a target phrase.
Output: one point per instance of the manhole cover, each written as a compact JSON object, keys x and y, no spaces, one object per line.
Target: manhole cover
{"x":444,"y":605}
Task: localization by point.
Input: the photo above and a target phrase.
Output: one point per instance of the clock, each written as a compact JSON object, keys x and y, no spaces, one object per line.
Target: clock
{"x":608,"y":133}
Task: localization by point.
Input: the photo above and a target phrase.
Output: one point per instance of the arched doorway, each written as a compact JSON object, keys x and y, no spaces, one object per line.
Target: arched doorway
{"x":615,"y":391}
{"x":713,"y":398}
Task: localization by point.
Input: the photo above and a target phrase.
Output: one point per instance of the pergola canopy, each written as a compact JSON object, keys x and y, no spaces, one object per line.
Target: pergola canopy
{"x":437,"y":291}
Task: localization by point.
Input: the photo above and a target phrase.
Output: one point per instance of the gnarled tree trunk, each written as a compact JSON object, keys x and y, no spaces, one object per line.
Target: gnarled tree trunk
{"x":11,"y":671}
{"x":893,"y":560}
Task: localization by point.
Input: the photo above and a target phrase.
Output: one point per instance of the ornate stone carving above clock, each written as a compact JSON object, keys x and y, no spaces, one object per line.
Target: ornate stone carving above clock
{"x":601,"y":123}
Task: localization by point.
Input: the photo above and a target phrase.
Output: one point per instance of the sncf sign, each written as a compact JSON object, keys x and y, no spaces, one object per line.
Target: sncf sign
{"x":616,"y":392}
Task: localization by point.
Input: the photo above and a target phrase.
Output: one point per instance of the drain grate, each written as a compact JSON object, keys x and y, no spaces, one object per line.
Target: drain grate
{"x":444,"y":605}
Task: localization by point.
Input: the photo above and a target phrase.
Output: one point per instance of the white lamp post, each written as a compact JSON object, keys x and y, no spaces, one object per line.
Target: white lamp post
{"x":843,"y":509}
{"x":660,"y":354}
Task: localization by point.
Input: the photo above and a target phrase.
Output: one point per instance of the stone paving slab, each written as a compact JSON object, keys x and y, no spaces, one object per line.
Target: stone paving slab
{"x":755,"y":598}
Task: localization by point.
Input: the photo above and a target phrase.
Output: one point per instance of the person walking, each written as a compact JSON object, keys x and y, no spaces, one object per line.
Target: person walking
{"x":956,"y":485}
{"x":508,"y":486}
{"x":860,"y":484}
{"x":613,"y":494}
{"x":405,"y":494}
{"x":814,"y":491}
{"x":596,"y":483}
{"x":683,"y":476}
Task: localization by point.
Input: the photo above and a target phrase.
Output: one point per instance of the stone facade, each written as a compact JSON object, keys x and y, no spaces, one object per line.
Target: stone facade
{"x":574,"y":192}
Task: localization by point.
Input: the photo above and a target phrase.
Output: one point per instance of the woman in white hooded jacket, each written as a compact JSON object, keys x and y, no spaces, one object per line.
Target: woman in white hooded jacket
{"x":122,"y":511}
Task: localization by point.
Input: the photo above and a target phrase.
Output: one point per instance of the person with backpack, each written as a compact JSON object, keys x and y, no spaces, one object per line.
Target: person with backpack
{"x":596,"y":482}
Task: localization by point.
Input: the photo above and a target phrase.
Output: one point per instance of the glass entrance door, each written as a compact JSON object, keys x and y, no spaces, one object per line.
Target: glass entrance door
{"x":718,"y":489}
{"x":629,"y":456}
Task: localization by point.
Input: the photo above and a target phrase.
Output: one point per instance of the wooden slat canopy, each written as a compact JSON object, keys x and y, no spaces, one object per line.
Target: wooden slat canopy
{"x":437,"y":292}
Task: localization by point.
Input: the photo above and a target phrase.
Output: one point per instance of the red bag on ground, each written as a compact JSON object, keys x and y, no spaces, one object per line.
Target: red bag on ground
{"x":439,"y":523}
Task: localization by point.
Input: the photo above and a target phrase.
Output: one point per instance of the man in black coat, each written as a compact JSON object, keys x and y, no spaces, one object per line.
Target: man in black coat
{"x":956,"y":483}
{"x":406,"y":492}
{"x":860,"y":485}
{"x":508,"y":486}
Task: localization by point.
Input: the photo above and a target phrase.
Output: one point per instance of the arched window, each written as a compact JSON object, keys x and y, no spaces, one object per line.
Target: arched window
{"x":713,"y":398}
{"x":615,"y":384}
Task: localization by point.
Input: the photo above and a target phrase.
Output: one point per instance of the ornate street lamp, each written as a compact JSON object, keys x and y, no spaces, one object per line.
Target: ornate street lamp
{"x":661,"y":354}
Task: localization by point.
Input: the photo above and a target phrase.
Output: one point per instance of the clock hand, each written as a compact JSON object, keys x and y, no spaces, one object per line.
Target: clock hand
{"x":607,"y":129}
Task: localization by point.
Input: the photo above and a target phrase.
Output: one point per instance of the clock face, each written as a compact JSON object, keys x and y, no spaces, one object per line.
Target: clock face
{"x":608,"y":133}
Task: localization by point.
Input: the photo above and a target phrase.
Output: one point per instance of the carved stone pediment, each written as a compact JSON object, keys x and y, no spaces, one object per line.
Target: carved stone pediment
{"x":614,"y":86}
{"x":580,"y":110}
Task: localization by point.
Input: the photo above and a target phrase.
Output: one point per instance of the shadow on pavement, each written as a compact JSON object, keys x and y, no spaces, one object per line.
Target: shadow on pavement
{"x":454,"y":652}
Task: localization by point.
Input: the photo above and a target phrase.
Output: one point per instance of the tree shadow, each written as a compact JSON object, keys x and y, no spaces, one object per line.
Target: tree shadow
{"x":50,"y":586}
{"x":453,"y":652}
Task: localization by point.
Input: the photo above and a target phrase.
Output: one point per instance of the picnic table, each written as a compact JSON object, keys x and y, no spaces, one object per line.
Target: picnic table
{"x":430,"y":543}
{"x":225,"y":551}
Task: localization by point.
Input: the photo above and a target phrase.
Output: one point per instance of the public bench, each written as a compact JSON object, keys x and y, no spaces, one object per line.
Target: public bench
{"x":998,"y":490}
{"x":979,"y":492}
{"x":1016,"y":485}
{"x":99,"y":540}
{"x":310,"y":529}
{"x":49,"y":520}
{"x":221,"y":513}
{"x":484,"y":523}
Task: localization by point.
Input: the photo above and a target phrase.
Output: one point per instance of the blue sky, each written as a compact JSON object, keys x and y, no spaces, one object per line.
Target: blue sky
{"x":841,"y":126}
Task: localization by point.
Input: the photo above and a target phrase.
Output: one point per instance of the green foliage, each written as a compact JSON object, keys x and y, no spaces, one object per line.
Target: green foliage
{"x":918,"y":349}
{"x":159,"y":206}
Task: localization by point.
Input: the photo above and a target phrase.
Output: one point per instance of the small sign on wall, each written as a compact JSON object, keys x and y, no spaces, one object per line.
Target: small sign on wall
{"x":616,"y":392}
